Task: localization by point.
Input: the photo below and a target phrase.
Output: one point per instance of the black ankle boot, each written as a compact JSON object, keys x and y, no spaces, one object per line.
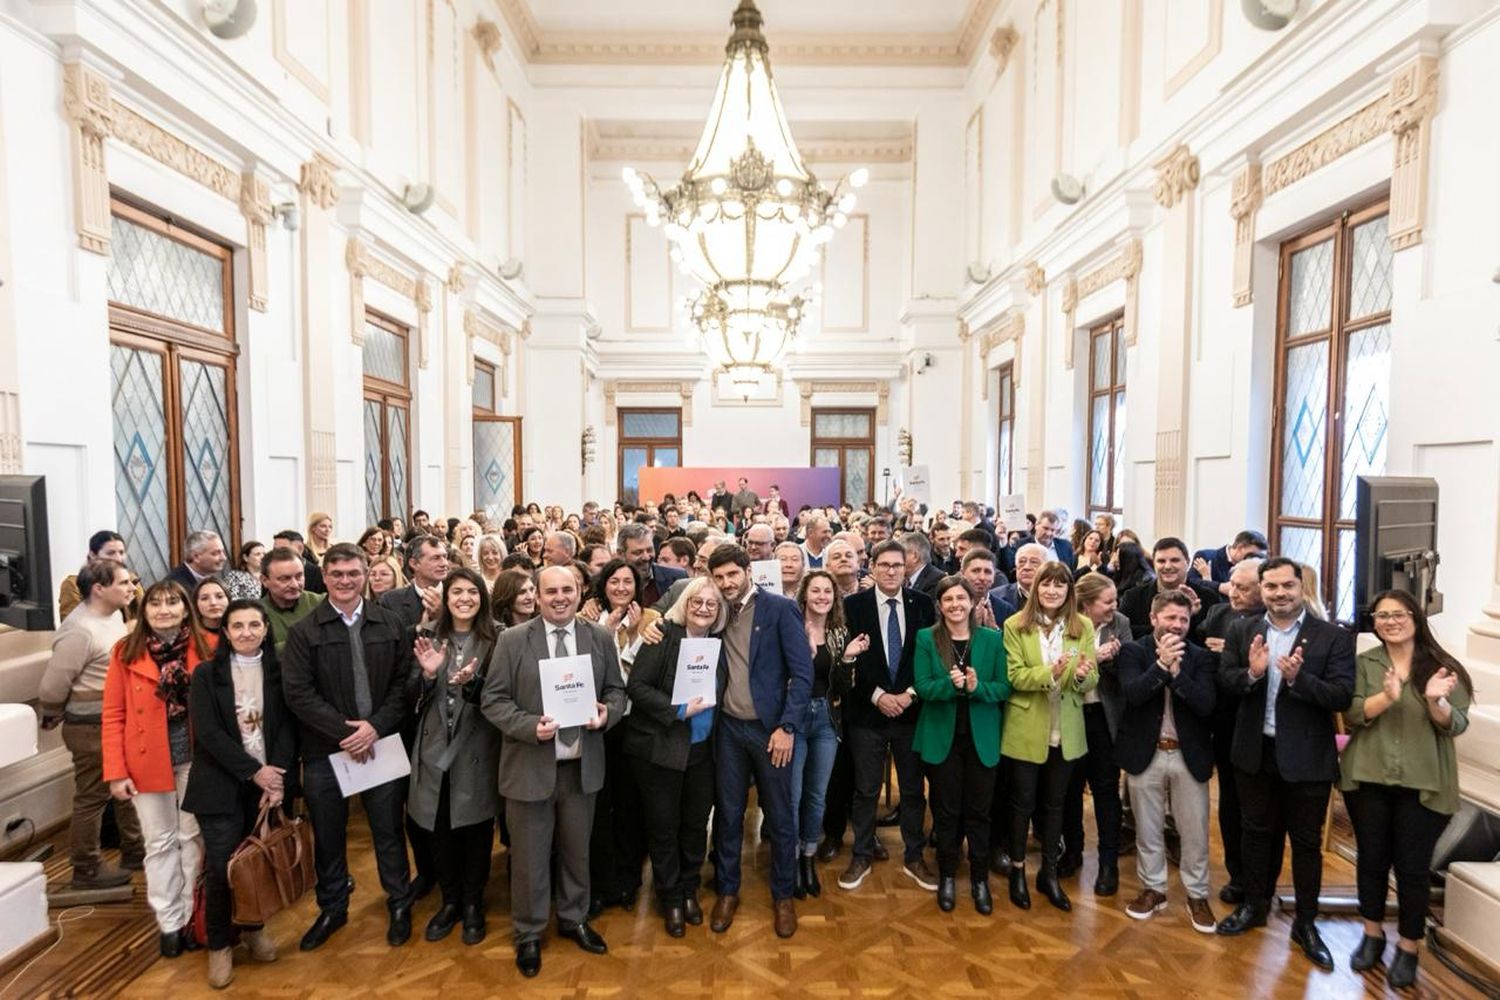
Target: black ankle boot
{"x":1019,"y":894}
{"x":1369,"y":953}
{"x":984,"y":904}
{"x":1048,"y":885}
{"x":800,"y":889}
{"x":814,"y":886}
{"x":947,"y":894}
{"x":1403,"y":970}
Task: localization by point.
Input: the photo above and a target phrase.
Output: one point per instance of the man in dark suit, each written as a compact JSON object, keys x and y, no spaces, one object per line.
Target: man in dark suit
{"x":312,"y":574}
{"x":202,"y":556}
{"x":343,"y":673}
{"x":979,"y":572}
{"x":636,"y":544}
{"x":1213,"y":566}
{"x":880,"y":712}
{"x":943,"y":556}
{"x":1293,"y":671}
{"x":765,"y":696}
{"x":1028,"y":559}
{"x":1165,"y":745}
{"x":921,"y":575}
{"x":1169,"y":557}
{"x":1059,"y":549}
{"x":551,"y":775}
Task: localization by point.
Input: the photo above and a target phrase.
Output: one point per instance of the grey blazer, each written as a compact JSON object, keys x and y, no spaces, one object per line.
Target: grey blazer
{"x":470,"y":758}
{"x":1110,"y":694}
{"x":512,"y":700}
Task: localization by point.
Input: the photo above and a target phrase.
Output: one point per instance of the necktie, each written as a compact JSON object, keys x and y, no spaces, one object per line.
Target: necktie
{"x":569,"y":736}
{"x":892,"y":639}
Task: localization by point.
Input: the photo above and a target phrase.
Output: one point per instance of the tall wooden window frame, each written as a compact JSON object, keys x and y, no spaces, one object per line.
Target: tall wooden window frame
{"x":1337,"y":335}
{"x":491,"y":414}
{"x":650,"y":443}
{"x":846,"y":446}
{"x":392,"y":396}
{"x":1005,"y":459}
{"x":176,"y":341}
{"x":1108,"y":386}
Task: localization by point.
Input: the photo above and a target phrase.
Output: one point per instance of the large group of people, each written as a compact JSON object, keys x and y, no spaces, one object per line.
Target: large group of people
{"x":988,"y":675}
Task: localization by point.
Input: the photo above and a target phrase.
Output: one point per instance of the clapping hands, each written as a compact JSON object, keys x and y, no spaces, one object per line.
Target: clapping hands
{"x":1441,"y":684}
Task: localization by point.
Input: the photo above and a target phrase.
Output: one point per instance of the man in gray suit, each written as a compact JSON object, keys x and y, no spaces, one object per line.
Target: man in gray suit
{"x":550,"y":775}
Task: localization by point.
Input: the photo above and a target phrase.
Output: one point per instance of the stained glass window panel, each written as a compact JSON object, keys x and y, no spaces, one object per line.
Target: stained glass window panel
{"x":1116,"y":499}
{"x":484,"y":389}
{"x":384,"y":354}
{"x":205,"y":445}
{"x":1099,"y":453}
{"x":631,"y":460}
{"x":856,"y":476}
{"x":1006,"y":387}
{"x":1305,"y":545}
{"x":1303,"y":430}
{"x":140,"y":449}
{"x":494,"y":466}
{"x":1344,"y":592}
{"x":157,"y":274}
{"x":374,"y":468}
{"x":827,"y":458}
{"x":1310,"y":298}
{"x":656,"y":424}
{"x":1006,"y":444}
{"x":396,"y":450}
{"x":1103,"y":360}
{"x":1367,"y":388}
{"x":841,"y":425}
{"x":1371,"y":269}
{"x":1120,"y":354}
{"x":664,"y":458}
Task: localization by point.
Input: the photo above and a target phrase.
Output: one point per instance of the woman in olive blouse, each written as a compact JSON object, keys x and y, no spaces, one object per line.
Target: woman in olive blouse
{"x":1400,"y":772}
{"x":960,"y":678}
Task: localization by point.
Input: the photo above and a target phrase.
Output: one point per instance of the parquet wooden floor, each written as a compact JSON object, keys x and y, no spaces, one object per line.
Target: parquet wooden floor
{"x":888,"y":939}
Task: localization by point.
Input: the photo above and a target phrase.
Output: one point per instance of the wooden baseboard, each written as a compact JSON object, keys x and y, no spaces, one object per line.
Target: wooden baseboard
{"x":20,"y":957}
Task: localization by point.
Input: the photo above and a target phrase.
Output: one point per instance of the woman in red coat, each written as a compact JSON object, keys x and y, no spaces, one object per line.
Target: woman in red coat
{"x":148,"y":749}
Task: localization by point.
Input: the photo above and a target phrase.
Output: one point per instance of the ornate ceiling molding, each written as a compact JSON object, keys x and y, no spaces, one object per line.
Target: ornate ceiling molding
{"x":487,"y":36}
{"x":1365,"y":125}
{"x":675,"y":149}
{"x":881,"y":390}
{"x":1124,"y":266}
{"x":363,"y":264}
{"x":1003,"y":42}
{"x":478,"y":326}
{"x":318,"y":182}
{"x":616,"y":387}
{"x":1009,"y":329}
{"x":1176,"y":177}
{"x":1036,"y":278}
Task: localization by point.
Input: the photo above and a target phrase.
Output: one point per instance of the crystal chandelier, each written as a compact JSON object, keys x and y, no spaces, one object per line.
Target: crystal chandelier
{"x":747,"y":220}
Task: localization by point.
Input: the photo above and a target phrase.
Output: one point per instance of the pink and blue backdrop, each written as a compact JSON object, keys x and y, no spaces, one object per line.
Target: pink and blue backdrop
{"x":814,"y":487}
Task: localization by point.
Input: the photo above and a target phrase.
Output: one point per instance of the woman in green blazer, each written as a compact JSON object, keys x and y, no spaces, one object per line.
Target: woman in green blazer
{"x":960,"y":678}
{"x":1049,"y":655}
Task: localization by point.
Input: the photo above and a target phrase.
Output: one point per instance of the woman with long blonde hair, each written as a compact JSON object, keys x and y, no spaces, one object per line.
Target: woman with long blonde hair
{"x":319,"y":535}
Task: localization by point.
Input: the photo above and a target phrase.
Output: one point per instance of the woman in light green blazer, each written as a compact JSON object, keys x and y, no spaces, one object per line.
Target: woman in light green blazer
{"x":960,"y":678}
{"x":1049,"y":654}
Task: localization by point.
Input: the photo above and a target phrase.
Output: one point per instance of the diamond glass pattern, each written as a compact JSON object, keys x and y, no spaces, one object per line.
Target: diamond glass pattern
{"x":1302,"y":544}
{"x":374,"y":468}
{"x":157,"y":274}
{"x":205,"y":444}
{"x":396,"y":488}
{"x":841,"y":425}
{"x":484,"y":389}
{"x":384,"y":355}
{"x":1099,"y":453}
{"x":1310,"y":298}
{"x":1367,"y":390}
{"x":1303,"y":420}
{"x":653,"y":424}
{"x":1103,"y":360}
{"x":494,"y":460}
{"x":1006,"y":433}
{"x":1371,"y":269}
{"x":137,"y":402}
{"x":1119,"y":474}
{"x":827,"y":458}
{"x":856,"y":476}
{"x":1120,"y":355}
{"x":1344,"y":609}
{"x":1007,"y":385}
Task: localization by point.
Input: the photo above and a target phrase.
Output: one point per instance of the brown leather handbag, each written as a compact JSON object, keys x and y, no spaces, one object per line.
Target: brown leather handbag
{"x":272,"y":867}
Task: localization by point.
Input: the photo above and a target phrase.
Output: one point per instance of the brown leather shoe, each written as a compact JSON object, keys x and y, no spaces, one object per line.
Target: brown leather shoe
{"x":723,"y":915}
{"x":692,"y":910}
{"x":786,"y":918}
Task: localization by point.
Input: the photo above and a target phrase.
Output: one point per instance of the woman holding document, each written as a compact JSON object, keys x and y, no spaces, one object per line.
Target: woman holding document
{"x":667,"y":741}
{"x":456,"y":753}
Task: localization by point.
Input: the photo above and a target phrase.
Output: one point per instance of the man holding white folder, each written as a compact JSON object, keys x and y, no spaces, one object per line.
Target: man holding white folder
{"x":343,"y":673}
{"x":554,"y":686}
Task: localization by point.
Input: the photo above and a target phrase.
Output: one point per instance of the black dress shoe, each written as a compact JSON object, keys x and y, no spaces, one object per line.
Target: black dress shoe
{"x":190,"y":940}
{"x":1048,"y":885}
{"x":1069,"y":864}
{"x":673,"y":919}
{"x":1369,"y":953}
{"x":442,"y":922}
{"x":1306,"y":936}
{"x":323,"y":928}
{"x":947,"y":894}
{"x":814,"y":884}
{"x":584,"y":936}
{"x":891,"y":818}
{"x":399,"y":931}
{"x":1000,"y":861}
{"x":420,"y":887}
{"x":828,"y":850}
{"x":803,"y":864}
{"x":1232,"y":894}
{"x":1245,"y":917}
{"x":984,"y":903}
{"x":171,"y":944}
{"x":474,"y":924}
{"x":1107,"y":882}
{"x":692,"y":910}
{"x":1019,"y":894}
{"x":1403,"y":970}
{"x":529,"y":958}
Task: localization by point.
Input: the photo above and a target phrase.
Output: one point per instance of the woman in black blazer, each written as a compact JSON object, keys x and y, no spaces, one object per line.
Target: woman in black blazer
{"x":244,"y":745}
{"x":669,"y":747}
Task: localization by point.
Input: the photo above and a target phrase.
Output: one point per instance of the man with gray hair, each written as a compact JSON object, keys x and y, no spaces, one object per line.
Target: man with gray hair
{"x":760,"y":542}
{"x":636,"y":544}
{"x":202,"y":556}
{"x":559,"y":548}
{"x":1029,"y":559}
{"x":815,"y":543}
{"x":921,"y":575}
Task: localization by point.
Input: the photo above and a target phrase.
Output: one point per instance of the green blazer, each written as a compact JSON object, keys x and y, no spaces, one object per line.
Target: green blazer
{"x":1028,"y":718}
{"x":936,"y":720}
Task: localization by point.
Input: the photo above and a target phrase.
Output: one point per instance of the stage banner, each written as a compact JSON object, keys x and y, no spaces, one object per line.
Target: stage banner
{"x":814,"y":487}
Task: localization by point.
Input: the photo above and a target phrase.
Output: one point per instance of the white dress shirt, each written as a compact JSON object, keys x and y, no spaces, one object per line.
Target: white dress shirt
{"x":570,"y":641}
{"x":883,"y":611}
{"x":1279,"y":642}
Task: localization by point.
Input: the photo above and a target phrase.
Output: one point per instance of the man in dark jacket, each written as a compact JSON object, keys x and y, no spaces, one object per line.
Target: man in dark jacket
{"x":344,"y":670}
{"x":1169,"y":557}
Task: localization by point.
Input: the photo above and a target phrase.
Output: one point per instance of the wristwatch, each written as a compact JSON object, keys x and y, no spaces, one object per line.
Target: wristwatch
{"x":786,"y":727}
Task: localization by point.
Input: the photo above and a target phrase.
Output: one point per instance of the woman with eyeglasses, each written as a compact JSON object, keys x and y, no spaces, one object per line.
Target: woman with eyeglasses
{"x":670,"y":751}
{"x":1400,"y":773}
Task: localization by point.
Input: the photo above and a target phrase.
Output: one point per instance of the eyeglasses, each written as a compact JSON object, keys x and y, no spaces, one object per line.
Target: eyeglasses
{"x":890,"y":567}
{"x":1391,"y":616}
{"x":703,"y":604}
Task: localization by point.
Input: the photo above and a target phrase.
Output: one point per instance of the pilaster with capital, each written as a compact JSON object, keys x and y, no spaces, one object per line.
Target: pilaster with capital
{"x":86,"y":102}
{"x":1176,"y":178}
{"x":255,"y":206}
{"x":1413,"y":99}
{"x":1245,"y":194}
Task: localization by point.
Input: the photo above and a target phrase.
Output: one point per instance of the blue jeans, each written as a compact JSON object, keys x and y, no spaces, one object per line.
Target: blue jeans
{"x":742,"y":757}
{"x":812,"y":763}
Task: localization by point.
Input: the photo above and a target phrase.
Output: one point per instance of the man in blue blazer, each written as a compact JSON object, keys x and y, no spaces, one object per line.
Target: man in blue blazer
{"x":637,"y":546}
{"x":1048,"y":524}
{"x":761,"y":708}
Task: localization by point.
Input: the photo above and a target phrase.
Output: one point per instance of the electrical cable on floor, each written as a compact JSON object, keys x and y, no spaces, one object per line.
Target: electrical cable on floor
{"x":72,"y":913}
{"x":1440,"y":952}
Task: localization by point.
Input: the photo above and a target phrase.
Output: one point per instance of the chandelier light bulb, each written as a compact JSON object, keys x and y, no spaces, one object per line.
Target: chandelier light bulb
{"x":840,"y":220}
{"x":630,"y":177}
{"x":846,"y":203}
{"x":718,"y":185}
{"x":859,"y":178}
{"x":784,"y":188}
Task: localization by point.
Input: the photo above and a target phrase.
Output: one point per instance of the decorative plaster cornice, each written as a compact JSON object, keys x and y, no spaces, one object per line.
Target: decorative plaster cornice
{"x":675,"y":149}
{"x":1002,"y":43}
{"x":1176,"y":176}
{"x":318,"y":182}
{"x":138,"y":132}
{"x":1036,"y":278}
{"x":881,"y":390}
{"x":487,"y":37}
{"x":1366,"y":124}
{"x":362,"y":264}
{"x":1124,"y":266}
{"x":645,"y":387}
